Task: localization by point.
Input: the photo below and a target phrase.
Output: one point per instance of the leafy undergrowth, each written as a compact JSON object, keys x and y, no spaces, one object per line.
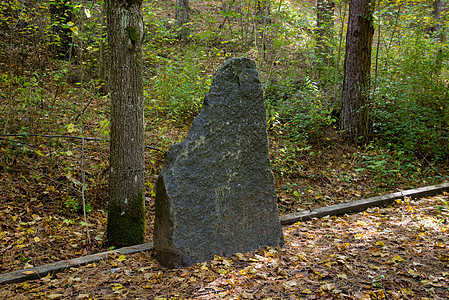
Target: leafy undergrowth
{"x":398,"y":252}
{"x":41,"y":190}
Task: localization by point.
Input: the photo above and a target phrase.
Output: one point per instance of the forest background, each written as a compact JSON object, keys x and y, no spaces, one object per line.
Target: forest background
{"x":54,"y":107}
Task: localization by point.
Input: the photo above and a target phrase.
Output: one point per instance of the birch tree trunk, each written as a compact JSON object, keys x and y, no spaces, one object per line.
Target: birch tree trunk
{"x":356,"y":82}
{"x":126,"y":211}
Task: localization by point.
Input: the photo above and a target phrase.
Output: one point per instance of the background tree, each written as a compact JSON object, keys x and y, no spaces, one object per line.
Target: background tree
{"x":437,"y":30}
{"x":182,"y":19}
{"x":324,"y":24}
{"x":126,"y":216}
{"x":356,"y":81}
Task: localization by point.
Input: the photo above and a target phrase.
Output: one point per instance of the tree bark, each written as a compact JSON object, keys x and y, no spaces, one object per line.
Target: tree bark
{"x":323,"y":32}
{"x":356,"y":82}
{"x":126,"y":211}
{"x":438,"y":8}
{"x":437,"y":31}
{"x":101,"y":61}
{"x":182,"y":18}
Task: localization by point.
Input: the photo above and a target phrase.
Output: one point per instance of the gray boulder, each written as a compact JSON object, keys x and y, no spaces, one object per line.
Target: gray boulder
{"x":215,"y":194}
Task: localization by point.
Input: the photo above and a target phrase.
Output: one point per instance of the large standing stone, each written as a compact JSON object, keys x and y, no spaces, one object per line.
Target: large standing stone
{"x":215,"y":193}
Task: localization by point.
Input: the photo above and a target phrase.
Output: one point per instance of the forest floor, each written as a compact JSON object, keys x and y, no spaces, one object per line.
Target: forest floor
{"x":397,"y":252}
{"x":393,"y":253}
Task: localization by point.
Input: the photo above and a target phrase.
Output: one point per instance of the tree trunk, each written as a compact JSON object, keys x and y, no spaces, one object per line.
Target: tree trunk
{"x":437,"y":31}
{"x":126,"y":211}
{"x":438,"y":8}
{"x":356,"y":82}
{"x":324,"y":24}
{"x":101,"y":61}
{"x":182,"y":18}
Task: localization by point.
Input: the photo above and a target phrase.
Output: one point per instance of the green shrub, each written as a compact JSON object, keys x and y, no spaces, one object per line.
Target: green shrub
{"x":178,"y":89}
{"x":410,"y":103}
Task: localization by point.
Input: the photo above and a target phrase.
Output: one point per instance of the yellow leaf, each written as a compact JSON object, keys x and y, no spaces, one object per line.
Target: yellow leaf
{"x":407,"y":292}
{"x":342,"y":247}
{"x":374,"y":267}
{"x":379,"y":243}
{"x":361,"y":223}
{"x":397,"y":258}
{"x":342,"y":276}
{"x":38,"y":152}
{"x":37,"y":239}
{"x":74,"y":29}
{"x":121,"y":258}
{"x":243,"y":272}
{"x":204,"y":268}
{"x":306,"y":291}
{"x":116,"y":287}
{"x":358,"y":236}
{"x":71,"y":127}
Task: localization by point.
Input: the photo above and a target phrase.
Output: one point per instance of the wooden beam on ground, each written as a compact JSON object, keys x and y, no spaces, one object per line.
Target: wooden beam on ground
{"x":361,"y":205}
{"x":42,"y":271}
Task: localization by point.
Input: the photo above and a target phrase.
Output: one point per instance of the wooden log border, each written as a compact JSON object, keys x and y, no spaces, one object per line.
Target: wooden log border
{"x":42,"y":271}
{"x":361,"y":205}
{"x":339,"y":209}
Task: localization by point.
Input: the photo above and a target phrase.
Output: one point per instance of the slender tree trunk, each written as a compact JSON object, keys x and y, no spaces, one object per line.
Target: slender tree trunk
{"x":126,"y":212}
{"x":438,"y":8}
{"x":101,"y":63}
{"x":356,"y":82}
{"x":324,"y":24}
{"x":437,"y":31}
{"x":182,"y":19}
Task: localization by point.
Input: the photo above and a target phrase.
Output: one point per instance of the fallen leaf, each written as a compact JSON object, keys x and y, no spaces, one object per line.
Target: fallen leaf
{"x":71,"y":128}
{"x":116,"y":287}
{"x":341,"y":247}
{"x":121,"y":258}
{"x":306,"y":291}
{"x":397,"y":258}
{"x":289,"y":284}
